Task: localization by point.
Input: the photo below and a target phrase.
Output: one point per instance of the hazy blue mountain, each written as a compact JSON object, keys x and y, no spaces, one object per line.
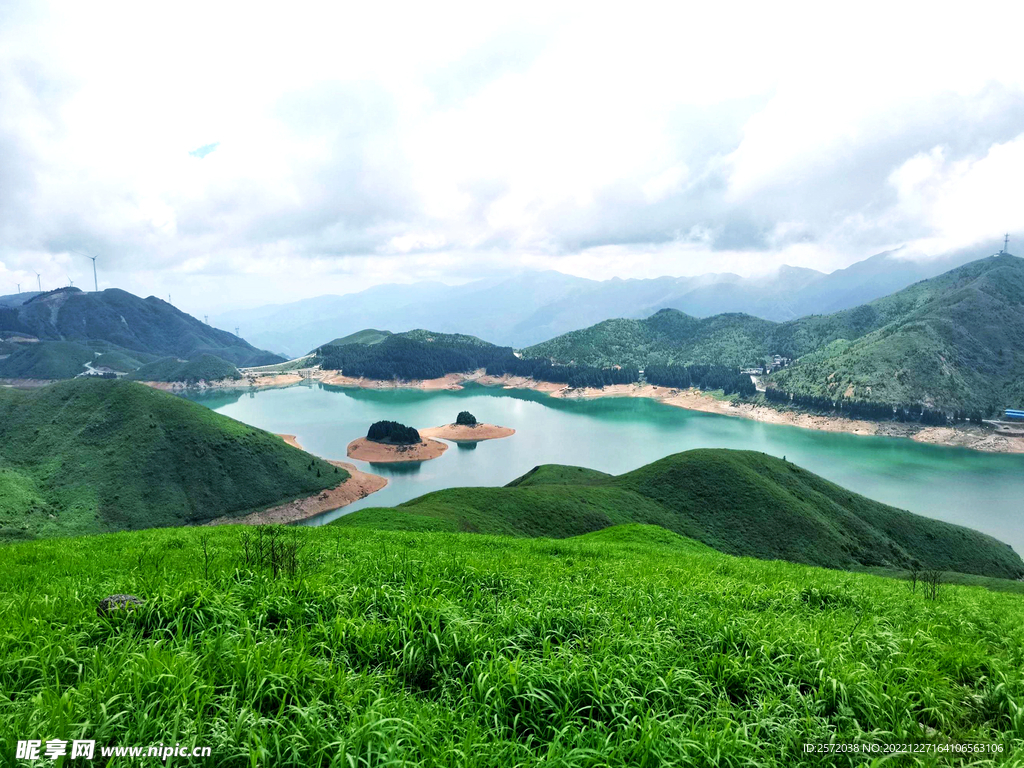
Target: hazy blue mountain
{"x":531,"y":307}
{"x":17,"y":299}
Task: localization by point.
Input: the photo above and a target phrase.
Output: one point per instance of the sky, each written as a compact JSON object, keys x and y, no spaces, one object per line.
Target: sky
{"x":232,"y":155}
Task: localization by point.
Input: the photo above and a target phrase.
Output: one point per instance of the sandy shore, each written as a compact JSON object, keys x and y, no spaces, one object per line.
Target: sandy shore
{"x":358,"y":486}
{"x":461,"y":433}
{"x":451,"y":381}
{"x":381,"y":453}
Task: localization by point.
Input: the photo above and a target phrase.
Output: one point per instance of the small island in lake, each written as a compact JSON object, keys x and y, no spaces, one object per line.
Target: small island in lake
{"x":467,"y":429}
{"x":388,"y":441}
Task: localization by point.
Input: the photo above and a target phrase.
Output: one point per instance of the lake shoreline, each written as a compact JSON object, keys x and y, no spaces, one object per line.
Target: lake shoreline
{"x":358,"y":486}
{"x":966,"y":436}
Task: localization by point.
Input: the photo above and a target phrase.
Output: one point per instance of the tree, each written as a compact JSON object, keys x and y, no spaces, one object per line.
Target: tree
{"x":393,"y":433}
{"x":465,"y":418}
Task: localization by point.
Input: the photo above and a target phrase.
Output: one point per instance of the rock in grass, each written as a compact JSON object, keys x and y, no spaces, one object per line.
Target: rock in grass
{"x":117,"y":602}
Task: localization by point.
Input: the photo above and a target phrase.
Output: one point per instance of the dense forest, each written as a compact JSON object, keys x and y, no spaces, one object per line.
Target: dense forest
{"x":401,"y":357}
{"x":706,"y":377}
{"x":874,"y":411}
{"x":393,"y":433}
{"x":575,"y":376}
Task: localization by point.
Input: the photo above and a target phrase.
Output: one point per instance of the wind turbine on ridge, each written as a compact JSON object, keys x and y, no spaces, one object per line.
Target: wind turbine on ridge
{"x":95,"y":282}
{"x":39,"y":280}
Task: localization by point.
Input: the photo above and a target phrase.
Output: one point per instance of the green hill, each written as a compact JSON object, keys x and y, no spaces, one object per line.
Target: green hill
{"x":46,"y":360}
{"x":148,"y":326}
{"x":666,"y":337}
{"x":738,"y":502}
{"x":203,"y":368}
{"x":66,"y":359}
{"x":366,"y":336}
{"x":953,"y":342}
{"x":627,"y":647}
{"x":92,"y":455}
{"x":417,"y":354}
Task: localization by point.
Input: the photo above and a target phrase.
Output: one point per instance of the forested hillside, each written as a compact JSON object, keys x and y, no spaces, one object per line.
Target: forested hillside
{"x":953,"y":343}
{"x":666,"y":337}
{"x":203,"y":368}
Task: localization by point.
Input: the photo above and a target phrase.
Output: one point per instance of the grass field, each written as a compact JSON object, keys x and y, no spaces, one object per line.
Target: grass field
{"x":630,"y":646}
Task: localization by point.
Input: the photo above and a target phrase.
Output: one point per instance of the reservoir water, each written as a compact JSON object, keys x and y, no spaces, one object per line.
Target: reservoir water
{"x":980,"y":490}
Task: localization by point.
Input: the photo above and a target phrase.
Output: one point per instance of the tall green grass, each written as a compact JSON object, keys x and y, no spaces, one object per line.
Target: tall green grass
{"x":630,"y":646}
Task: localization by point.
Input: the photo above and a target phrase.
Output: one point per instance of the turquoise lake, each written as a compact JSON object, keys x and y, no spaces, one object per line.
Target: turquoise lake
{"x":980,"y":490}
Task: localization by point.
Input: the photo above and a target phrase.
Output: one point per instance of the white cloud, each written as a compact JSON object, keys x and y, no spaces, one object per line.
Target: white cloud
{"x":355,"y":144}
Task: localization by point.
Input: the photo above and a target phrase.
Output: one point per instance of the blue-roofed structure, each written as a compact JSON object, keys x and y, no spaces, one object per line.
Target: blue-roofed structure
{"x":1014,"y":414}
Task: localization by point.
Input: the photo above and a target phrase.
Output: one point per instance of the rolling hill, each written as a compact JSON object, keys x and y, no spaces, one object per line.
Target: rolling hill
{"x":120,"y":320}
{"x":93,"y":455}
{"x":738,"y":502}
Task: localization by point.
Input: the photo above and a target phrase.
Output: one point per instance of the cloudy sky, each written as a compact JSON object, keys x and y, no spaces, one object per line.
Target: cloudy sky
{"x":233,"y":155}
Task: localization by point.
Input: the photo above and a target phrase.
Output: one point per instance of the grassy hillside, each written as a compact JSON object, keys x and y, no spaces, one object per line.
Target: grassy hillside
{"x":203,"y":368}
{"x":366,"y":336}
{"x":630,"y":646}
{"x":668,"y":337}
{"x":150,"y":326}
{"x":739,"y":502}
{"x":90,"y":455}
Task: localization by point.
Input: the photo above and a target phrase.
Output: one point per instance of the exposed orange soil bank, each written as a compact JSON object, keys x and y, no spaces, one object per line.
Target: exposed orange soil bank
{"x":451,"y":381}
{"x":462,"y":433}
{"x":381,"y":453}
{"x":359,"y":485}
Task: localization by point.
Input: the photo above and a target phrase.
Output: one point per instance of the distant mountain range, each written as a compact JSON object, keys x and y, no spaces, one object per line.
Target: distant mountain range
{"x":531,"y":307}
{"x":72,"y":328}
